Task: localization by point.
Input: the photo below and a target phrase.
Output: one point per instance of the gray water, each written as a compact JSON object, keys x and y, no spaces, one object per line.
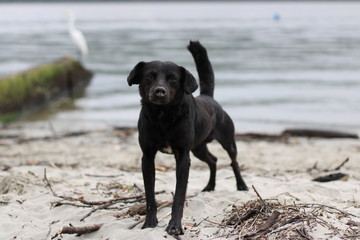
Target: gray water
{"x":302,"y":70}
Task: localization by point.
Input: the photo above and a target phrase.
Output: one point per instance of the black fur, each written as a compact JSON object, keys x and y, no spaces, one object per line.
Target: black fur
{"x":172,"y":120}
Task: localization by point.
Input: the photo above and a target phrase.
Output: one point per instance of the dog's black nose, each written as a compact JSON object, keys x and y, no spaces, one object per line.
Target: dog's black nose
{"x":160,"y":92}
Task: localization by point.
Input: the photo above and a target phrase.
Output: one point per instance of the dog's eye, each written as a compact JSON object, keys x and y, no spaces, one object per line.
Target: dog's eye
{"x":149,"y":77}
{"x":172,"y":78}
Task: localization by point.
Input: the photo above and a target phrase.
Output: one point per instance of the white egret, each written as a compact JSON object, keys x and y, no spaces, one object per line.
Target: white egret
{"x":76,"y":35}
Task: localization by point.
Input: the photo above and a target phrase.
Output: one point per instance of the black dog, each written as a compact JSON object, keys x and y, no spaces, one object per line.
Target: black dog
{"x":173,"y":121}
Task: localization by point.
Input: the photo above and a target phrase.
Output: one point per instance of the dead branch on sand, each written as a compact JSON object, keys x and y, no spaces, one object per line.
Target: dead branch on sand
{"x":165,"y":204}
{"x":77,"y":230}
{"x":100,"y":204}
{"x":340,"y":166}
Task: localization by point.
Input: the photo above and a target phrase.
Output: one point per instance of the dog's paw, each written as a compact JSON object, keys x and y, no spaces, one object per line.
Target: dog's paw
{"x":209,"y":188}
{"x":242,"y":187}
{"x":174,"y":228}
{"x":150,"y":222}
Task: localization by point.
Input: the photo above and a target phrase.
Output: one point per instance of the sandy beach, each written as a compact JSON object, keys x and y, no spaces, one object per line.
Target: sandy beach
{"x":83,"y":168}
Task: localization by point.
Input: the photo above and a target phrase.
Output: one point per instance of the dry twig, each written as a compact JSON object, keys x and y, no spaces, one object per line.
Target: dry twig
{"x":48,"y":183}
{"x":268,"y":224}
{"x":342,"y":164}
{"x":261,"y":199}
{"x":102,"y":204}
{"x":164,"y":205}
{"x":107,"y":203}
{"x":303,"y":233}
{"x":78,"y":230}
{"x":103,"y":176}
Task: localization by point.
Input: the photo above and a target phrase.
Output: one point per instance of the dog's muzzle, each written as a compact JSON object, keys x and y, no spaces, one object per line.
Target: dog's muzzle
{"x":160,"y":92}
{"x":159,"y":95}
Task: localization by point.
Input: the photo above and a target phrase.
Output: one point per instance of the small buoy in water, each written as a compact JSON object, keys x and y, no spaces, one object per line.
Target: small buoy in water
{"x":276,"y":16}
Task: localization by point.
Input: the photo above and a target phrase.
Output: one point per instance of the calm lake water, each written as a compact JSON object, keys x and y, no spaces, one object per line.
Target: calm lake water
{"x":277,"y":65}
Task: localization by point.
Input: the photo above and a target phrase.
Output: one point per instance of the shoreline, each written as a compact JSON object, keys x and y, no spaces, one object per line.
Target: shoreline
{"x":33,"y":129}
{"x":105,"y":164}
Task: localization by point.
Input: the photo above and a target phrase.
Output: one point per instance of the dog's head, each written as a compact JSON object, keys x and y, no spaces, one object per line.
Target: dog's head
{"x":162,"y":82}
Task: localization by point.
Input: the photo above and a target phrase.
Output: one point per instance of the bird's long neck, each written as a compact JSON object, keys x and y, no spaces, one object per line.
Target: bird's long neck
{"x":71,"y":23}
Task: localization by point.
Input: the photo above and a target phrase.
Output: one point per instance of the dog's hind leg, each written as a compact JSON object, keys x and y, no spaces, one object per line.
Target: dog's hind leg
{"x":202,"y":153}
{"x":232,"y":151}
{"x":226,"y":137}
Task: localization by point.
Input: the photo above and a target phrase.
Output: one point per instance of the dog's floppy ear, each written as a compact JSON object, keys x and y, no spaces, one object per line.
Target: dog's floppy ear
{"x":135,"y":74}
{"x":190,"y":84}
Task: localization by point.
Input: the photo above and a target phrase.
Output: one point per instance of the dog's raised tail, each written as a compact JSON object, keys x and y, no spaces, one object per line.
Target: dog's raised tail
{"x":204,"y":68}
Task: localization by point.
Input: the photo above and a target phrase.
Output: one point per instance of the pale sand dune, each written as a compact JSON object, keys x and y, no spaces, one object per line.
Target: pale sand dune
{"x":77,"y":166}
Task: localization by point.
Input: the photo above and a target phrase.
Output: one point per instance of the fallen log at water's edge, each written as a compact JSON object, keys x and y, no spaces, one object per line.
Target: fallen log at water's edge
{"x":287,"y":133}
{"x":320,"y":133}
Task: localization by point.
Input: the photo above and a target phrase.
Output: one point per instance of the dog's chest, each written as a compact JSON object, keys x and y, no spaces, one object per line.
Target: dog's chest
{"x":164,"y":123}
{"x":166,"y":148}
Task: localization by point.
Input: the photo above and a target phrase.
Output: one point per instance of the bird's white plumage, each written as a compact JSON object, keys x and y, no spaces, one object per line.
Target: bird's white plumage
{"x":76,"y":35}
{"x":80,"y":42}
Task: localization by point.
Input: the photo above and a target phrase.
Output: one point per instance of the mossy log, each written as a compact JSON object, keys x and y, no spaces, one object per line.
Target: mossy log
{"x":33,"y":89}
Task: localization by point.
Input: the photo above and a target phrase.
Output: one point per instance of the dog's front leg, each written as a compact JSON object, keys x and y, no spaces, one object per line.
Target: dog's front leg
{"x":148,"y":170}
{"x":182,"y":176}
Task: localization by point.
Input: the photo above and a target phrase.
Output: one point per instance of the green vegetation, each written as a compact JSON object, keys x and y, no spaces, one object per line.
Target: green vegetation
{"x":9,"y":117}
{"x":16,"y":90}
{"x":21,"y":92}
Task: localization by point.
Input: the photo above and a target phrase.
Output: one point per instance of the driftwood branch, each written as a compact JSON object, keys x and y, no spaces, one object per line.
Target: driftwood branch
{"x":95,"y":209}
{"x":115,"y":200}
{"x":53,"y":136}
{"x":107,"y":203}
{"x":284,"y":136}
{"x":48,"y":183}
{"x":263,"y":228}
{"x":247,"y":137}
{"x":4,"y":203}
{"x":329,"y":207}
{"x":78,"y":230}
{"x":303,"y":233}
{"x":142,"y":219}
{"x":318,"y":133}
{"x":261,"y":199}
{"x":270,"y":221}
{"x":103,"y":176}
{"x":102,"y":204}
{"x":331,"y":177}
{"x":342,"y":164}
{"x":164,"y":205}
{"x":53,"y":192}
